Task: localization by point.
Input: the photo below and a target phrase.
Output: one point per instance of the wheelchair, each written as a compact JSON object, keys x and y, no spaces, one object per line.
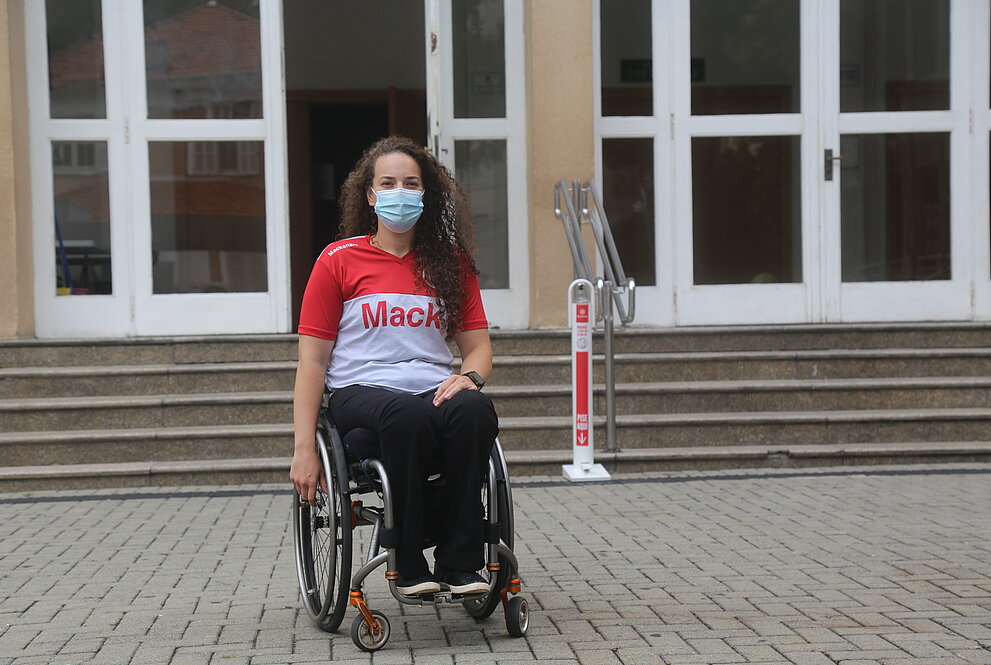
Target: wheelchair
{"x":322,"y":537}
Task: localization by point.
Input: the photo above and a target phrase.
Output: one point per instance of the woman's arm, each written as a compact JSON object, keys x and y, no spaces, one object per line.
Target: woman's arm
{"x":305,"y":473}
{"x":476,"y":355}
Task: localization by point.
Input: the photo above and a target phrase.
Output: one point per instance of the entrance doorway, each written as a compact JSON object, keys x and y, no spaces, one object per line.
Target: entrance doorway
{"x":344,"y":92}
{"x":796,"y":161}
{"x":356,"y":72}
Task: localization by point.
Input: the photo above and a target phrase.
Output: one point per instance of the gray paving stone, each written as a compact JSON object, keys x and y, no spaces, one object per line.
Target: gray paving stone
{"x":869,"y":566}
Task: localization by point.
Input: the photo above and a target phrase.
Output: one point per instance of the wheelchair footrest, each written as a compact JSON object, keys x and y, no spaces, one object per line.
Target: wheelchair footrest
{"x":440,"y":598}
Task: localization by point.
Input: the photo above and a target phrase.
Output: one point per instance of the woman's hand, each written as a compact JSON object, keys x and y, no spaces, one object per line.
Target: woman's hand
{"x":476,"y":355}
{"x":451,"y":386}
{"x":305,"y":473}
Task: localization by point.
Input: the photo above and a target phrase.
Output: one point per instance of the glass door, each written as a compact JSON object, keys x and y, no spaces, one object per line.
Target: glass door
{"x":208,"y":151}
{"x":633,"y":154}
{"x":160,"y":169}
{"x":475,"y":98}
{"x":744,"y":132}
{"x":78,"y":165}
{"x":823,"y":159}
{"x":897,"y":144}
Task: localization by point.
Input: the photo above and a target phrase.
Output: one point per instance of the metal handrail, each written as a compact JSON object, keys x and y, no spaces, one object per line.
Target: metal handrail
{"x":612,"y":266}
{"x":572,"y":229}
{"x":568,"y":201}
{"x":573,"y":213}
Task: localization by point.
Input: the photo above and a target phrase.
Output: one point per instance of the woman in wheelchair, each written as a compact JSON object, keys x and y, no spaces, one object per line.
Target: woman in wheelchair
{"x":379,"y":310}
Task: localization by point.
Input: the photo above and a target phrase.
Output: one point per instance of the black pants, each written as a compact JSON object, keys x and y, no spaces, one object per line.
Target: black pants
{"x":412,"y":432}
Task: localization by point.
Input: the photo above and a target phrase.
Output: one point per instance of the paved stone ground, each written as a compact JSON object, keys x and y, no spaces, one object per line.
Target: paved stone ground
{"x":858,"y":566}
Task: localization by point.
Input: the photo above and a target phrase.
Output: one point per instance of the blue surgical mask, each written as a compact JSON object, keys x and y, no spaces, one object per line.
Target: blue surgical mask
{"x":398,"y":208}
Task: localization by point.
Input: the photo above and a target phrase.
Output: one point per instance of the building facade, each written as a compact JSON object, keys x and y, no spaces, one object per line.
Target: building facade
{"x":172,"y":167}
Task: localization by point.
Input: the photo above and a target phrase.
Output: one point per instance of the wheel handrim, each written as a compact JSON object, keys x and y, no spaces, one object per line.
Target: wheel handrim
{"x":320,"y":542}
{"x":324,"y":534}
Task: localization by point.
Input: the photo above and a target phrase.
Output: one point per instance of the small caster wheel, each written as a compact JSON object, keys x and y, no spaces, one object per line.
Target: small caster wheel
{"x":364,"y":638}
{"x":517,"y":616}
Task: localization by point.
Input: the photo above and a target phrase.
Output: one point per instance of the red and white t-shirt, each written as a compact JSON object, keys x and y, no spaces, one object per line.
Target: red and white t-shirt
{"x":387,"y":330}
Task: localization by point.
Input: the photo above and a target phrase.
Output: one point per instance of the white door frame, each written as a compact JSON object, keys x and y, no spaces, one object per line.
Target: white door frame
{"x":655,"y":304}
{"x":134,"y":309}
{"x":980,"y":34}
{"x":90,"y":315}
{"x":505,"y":308}
{"x":906,"y":300}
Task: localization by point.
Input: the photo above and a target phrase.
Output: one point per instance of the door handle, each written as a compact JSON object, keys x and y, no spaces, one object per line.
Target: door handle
{"x":828,"y":165}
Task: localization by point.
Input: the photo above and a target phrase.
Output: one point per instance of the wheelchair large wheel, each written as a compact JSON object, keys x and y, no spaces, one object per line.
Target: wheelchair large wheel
{"x":482,"y":606}
{"x":322,"y":539}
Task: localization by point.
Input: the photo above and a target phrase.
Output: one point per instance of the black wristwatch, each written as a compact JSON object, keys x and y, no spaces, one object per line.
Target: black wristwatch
{"x":476,"y":378}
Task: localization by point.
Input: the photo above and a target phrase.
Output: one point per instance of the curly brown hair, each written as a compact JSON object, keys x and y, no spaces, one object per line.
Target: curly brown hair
{"x":444,"y":237}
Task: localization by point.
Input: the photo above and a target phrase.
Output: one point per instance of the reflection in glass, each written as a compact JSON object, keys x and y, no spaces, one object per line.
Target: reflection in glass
{"x":75,"y":59}
{"x":627,"y":64}
{"x":481,"y":169}
{"x":746,"y":209}
{"x":82,"y":218}
{"x":745,"y":56}
{"x":479,"y":59}
{"x":208,"y":216}
{"x":203,"y":59}
{"x":895,"y":207}
{"x":628,"y":197}
{"x":894,"y":55}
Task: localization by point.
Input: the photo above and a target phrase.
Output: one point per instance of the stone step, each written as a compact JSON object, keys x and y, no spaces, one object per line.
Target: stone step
{"x":255,"y":348}
{"x":779,"y":395}
{"x":795,"y":337}
{"x":509,"y":371}
{"x":107,"y":380}
{"x":171,"y":443}
{"x":145,"y":411}
{"x":752,"y":365}
{"x":763,"y":428}
{"x":268,"y":407}
{"x":105,"y":446}
{"x":147,"y":350}
{"x":521,"y":464}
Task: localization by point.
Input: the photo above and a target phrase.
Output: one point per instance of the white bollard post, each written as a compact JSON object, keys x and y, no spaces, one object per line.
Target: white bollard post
{"x":581,"y":310}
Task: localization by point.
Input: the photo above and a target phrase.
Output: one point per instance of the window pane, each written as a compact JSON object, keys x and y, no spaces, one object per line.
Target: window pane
{"x":479,"y":59}
{"x":628,"y":197}
{"x":82,"y":218}
{"x":895,"y":207}
{"x":746,"y":209}
{"x":627,"y":64}
{"x":208,"y":216}
{"x":481,"y":169}
{"x":894,"y":55}
{"x":203,"y":60}
{"x":745,"y":56}
{"x":75,"y":59}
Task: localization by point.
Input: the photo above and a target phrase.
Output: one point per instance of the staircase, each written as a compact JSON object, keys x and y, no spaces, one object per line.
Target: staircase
{"x":205,"y":410}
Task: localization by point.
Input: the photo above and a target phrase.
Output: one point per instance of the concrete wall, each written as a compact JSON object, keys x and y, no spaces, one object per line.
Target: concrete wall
{"x":16,"y":277}
{"x":561,"y":141}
